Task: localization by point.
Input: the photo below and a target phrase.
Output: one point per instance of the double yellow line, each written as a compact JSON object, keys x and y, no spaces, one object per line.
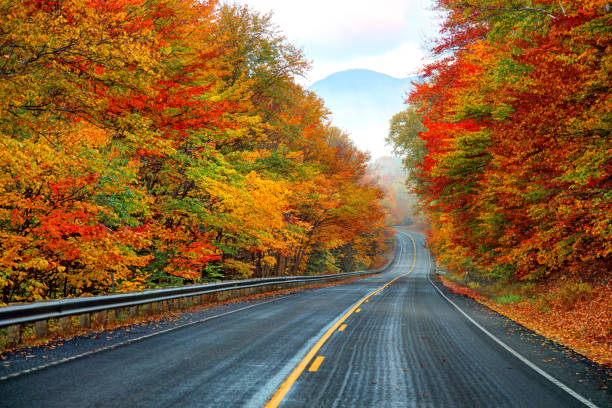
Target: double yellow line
{"x":297,"y":371}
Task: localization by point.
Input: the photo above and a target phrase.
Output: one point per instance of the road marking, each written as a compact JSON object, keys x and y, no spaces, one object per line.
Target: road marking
{"x":358,"y":310}
{"x":277,"y":398}
{"x":134,"y":340}
{"x":514,"y":352}
{"x":316,"y":364}
{"x":342,"y":327}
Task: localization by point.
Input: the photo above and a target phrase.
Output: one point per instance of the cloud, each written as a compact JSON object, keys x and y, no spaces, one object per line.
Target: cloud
{"x":384,"y":36}
{"x":334,"y":24}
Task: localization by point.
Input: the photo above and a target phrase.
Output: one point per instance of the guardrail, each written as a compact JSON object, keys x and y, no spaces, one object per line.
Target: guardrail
{"x":103,"y":308}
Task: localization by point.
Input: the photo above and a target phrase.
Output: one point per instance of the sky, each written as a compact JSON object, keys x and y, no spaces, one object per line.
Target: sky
{"x":387,"y":36}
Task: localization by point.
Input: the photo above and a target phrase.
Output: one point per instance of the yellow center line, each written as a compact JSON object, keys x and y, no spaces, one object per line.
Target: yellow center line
{"x":297,"y":371}
{"x":315,"y":364}
{"x":342,"y":327}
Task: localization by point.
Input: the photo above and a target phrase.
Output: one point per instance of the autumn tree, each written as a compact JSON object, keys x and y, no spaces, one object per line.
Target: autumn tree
{"x":156,"y":142}
{"x":516,"y":113}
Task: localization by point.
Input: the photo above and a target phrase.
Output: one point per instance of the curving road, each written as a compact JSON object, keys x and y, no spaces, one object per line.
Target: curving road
{"x":391,"y":340}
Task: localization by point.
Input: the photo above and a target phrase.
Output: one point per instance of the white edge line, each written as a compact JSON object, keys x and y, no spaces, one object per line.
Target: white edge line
{"x":123,"y":343}
{"x":516,"y":354}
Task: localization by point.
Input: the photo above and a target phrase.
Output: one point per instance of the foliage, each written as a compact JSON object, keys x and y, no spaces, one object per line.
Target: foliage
{"x":157,"y":142}
{"x":404,"y":137}
{"x":516,"y":113}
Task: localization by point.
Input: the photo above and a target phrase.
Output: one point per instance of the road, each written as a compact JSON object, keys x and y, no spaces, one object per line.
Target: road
{"x":390,"y":340}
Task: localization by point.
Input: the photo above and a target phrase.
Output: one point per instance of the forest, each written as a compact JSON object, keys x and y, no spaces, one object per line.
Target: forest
{"x":165,"y":142}
{"x":507,"y":140}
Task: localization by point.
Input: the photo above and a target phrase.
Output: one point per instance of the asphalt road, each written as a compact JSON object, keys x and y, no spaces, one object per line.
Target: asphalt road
{"x":351,"y":345}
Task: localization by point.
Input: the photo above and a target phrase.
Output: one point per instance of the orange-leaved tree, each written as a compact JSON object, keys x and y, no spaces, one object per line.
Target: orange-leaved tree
{"x":516,"y":116}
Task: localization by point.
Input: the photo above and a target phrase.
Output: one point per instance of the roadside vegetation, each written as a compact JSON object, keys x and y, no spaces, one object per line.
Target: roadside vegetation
{"x":162,"y":142}
{"x":572,"y":313}
{"x":507,"y":141}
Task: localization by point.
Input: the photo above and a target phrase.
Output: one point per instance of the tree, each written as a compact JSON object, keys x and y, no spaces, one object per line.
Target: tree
{"x":165,"y":141}
{"x":517,"y":119}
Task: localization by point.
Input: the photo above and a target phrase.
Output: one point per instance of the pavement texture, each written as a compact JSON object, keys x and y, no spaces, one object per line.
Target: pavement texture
{"x":407,"y":346}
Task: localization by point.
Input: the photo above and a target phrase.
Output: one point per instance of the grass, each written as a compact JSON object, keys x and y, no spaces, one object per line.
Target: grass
{"x":508,"y":298}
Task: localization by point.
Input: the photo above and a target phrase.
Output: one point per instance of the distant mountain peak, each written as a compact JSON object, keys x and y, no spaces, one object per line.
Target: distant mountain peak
{"x":352,"y":80}
{"x":358,"y":73}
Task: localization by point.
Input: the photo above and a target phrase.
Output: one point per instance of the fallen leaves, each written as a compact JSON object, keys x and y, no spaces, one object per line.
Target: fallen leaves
{"x":586,"y":327}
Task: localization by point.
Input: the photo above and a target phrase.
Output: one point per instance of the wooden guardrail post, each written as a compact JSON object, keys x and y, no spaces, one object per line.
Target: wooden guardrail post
{"x":65,"y":324}
{"x":85,"y":321}
{"x":146,"y":309}
{"x":42,"y":329}
{"x":101,"y":317}
{"x":14,"y":334}
{"x":111,"y":316}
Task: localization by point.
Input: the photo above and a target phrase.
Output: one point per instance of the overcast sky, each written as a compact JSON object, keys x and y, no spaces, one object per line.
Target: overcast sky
{"x":388,"y":36}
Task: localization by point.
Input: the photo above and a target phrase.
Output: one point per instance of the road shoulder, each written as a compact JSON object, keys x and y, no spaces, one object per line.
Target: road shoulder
{"x":574,"y":370}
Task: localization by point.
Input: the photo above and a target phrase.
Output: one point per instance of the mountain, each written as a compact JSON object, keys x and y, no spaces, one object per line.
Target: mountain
{"x":362,"y":103}
{"x":362,"y":87}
